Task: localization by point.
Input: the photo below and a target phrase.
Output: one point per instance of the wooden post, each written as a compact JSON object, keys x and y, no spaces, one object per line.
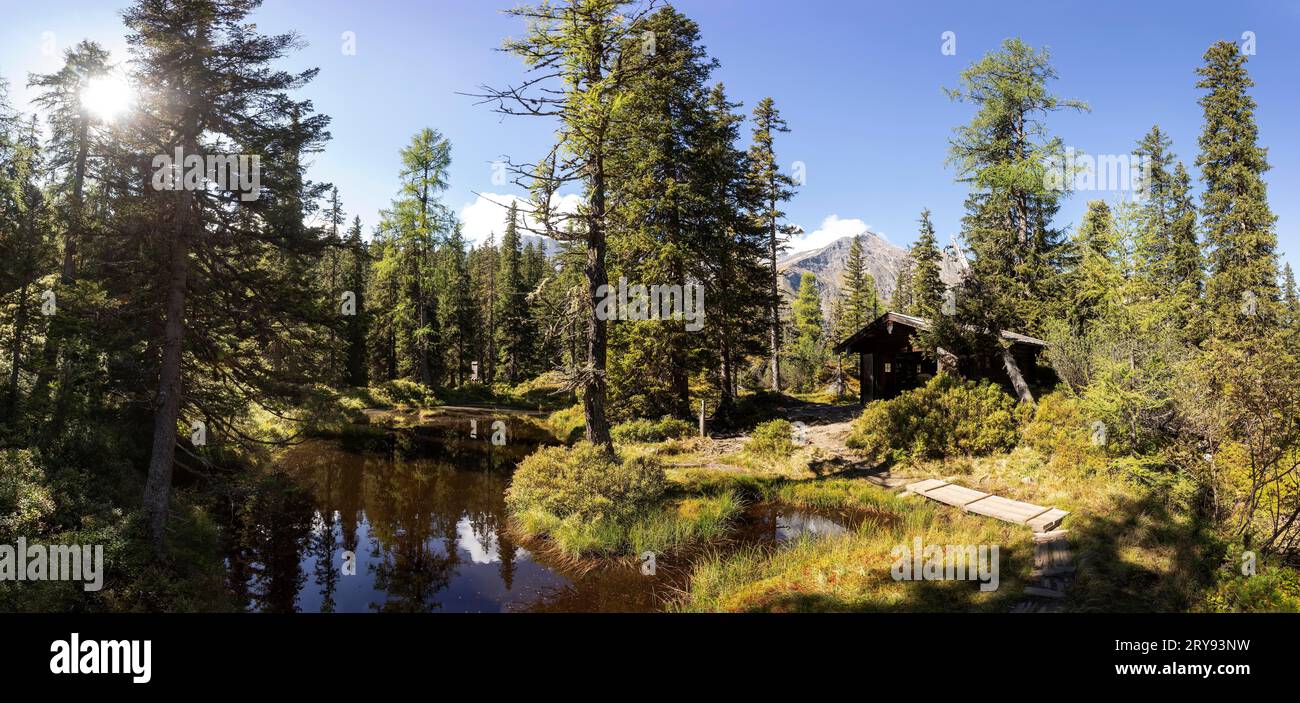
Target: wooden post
{"x":701,"y":417}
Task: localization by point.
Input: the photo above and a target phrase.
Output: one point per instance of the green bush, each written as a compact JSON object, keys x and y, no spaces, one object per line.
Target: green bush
{"x":568,"y":424}
{"x":650,"y":430}
{"x":946,"y":417}
{"x":586,"y":483}
{"x":1274,"y":589}
{"x":1061,"y":431}
{"x":772,"y":440}
{"x":25,"y":501}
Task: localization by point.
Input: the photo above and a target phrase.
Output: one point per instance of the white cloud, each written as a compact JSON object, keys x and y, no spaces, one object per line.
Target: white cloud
{"x":487,"y":213}
{"x":832,"y":228}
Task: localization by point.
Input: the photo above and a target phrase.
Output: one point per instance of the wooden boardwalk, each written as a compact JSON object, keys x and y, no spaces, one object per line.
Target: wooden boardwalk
{"x":1053,"y":560}
{"x":1036,"y":517}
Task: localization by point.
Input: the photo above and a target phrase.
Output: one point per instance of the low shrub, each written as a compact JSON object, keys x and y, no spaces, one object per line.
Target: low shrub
{"x":568,"y":424}
{"x":651,"y":430}
{"x":26,"y":503}
{"x":586,"y":483}
{"x":946,"y":417}
{"x":1062,"y":432}
{"x":771,"y":440}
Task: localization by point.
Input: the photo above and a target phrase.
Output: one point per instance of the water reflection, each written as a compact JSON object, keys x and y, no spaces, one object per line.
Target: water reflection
{"x":424,"y":513}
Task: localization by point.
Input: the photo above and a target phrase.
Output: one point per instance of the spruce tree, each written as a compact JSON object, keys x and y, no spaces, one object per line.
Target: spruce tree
{"x":774,"y":187}
{"x":1241,"y":291}
{"x":230,"y":271}
{"x":511,"y":306}
{"x":927,"y":288}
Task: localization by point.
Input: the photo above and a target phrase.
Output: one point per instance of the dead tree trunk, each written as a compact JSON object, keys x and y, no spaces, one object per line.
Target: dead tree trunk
{"x":1017,"y":378}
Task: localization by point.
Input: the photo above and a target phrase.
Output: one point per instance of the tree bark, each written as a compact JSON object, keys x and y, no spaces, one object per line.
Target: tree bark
{"x":775,"y":313}
{"x":157,"y":492}
{"x":1017,"y":378}
{"x":593,"y":397}
{"x":16,"y":351}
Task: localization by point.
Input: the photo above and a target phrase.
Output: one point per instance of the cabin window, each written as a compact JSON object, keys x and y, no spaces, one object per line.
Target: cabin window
{"x":887,"y":367}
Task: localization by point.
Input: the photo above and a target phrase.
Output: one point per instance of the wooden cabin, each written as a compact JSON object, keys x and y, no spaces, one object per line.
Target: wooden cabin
{"x":890,"y":362}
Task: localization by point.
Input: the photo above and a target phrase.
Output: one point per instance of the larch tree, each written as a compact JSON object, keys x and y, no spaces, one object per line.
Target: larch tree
{"x":1005,"y":156}
{"x":578,"y":73}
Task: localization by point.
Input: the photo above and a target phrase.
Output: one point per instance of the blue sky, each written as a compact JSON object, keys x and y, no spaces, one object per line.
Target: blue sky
{"x":859,"y":83}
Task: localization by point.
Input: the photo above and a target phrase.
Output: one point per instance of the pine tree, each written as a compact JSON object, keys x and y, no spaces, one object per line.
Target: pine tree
{"x":859,"y":301}
{"x":357,"y":326}
{"x":1241,"y":292}
{"x":1290,"y":301}
{"x":774,"y":188}
{"x":215,"y":79}
{"x":736,"y":251}
{"x":1154,"y":246}
{"x":927,"y":287}
{"x":901,"y":300}
{"x":661,"y":217}
{"x":511,"y":307}
{"x":25,"y":250}
{"x":1097,"y":274}
{"x":456,"y":307}
{"x":809,"y":349}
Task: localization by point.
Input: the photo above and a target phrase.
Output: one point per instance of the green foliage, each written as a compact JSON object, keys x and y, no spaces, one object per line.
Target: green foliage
{"x":1275,"y":588}
{"x":651,"y":431}
{"x":773,"y":439}
{"x":1061,"y":431}
{"x":1237,"y":220}
{"x":859,"y":301}
{"x":925,"y":288}
{"x":585,"y":482}
{"x":1005,"y":155}
{"x":26,"y":503}
{"x":947,"y":417}
{"x":567,"y":424}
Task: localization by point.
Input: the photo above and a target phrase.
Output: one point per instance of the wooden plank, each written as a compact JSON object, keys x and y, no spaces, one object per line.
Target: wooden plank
{"x":1043,"y":592}
{"x":1048,"y":521}
{"x":954,"y":495}
{"x":923,"y":486}
{"x":1005,"y":509}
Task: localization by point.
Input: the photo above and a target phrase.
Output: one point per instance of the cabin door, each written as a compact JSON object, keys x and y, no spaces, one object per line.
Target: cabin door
{"x":867,"y":374}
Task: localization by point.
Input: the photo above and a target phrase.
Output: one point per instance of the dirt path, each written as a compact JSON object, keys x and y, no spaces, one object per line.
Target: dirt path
{"x":823,"y":427}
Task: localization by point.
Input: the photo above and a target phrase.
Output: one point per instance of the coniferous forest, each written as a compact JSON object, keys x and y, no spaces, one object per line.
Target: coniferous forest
{"x":250,"y":396}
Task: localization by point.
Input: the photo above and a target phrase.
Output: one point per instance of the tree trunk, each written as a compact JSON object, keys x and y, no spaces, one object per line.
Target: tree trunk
{"x":16,"y":351}
{"x":1017,"y":378}
{"x":775,"y":314}
{"x":593,"y":397}
{"x":157,"y":492}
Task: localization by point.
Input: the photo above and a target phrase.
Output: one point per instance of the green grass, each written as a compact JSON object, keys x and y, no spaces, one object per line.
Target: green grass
{"x":853,"y":572}
{"x":670,"y":526}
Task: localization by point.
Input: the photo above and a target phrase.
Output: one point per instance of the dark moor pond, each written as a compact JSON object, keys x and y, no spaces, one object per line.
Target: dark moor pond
{"x":424,"y":514}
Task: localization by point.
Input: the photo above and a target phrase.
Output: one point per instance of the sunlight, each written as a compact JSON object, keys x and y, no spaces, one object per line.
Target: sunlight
{"x":107,"y":97}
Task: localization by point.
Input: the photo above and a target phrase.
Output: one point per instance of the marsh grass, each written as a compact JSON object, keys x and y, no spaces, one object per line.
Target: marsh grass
{"x":671,"y":526}
{"x":853,"y":572}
